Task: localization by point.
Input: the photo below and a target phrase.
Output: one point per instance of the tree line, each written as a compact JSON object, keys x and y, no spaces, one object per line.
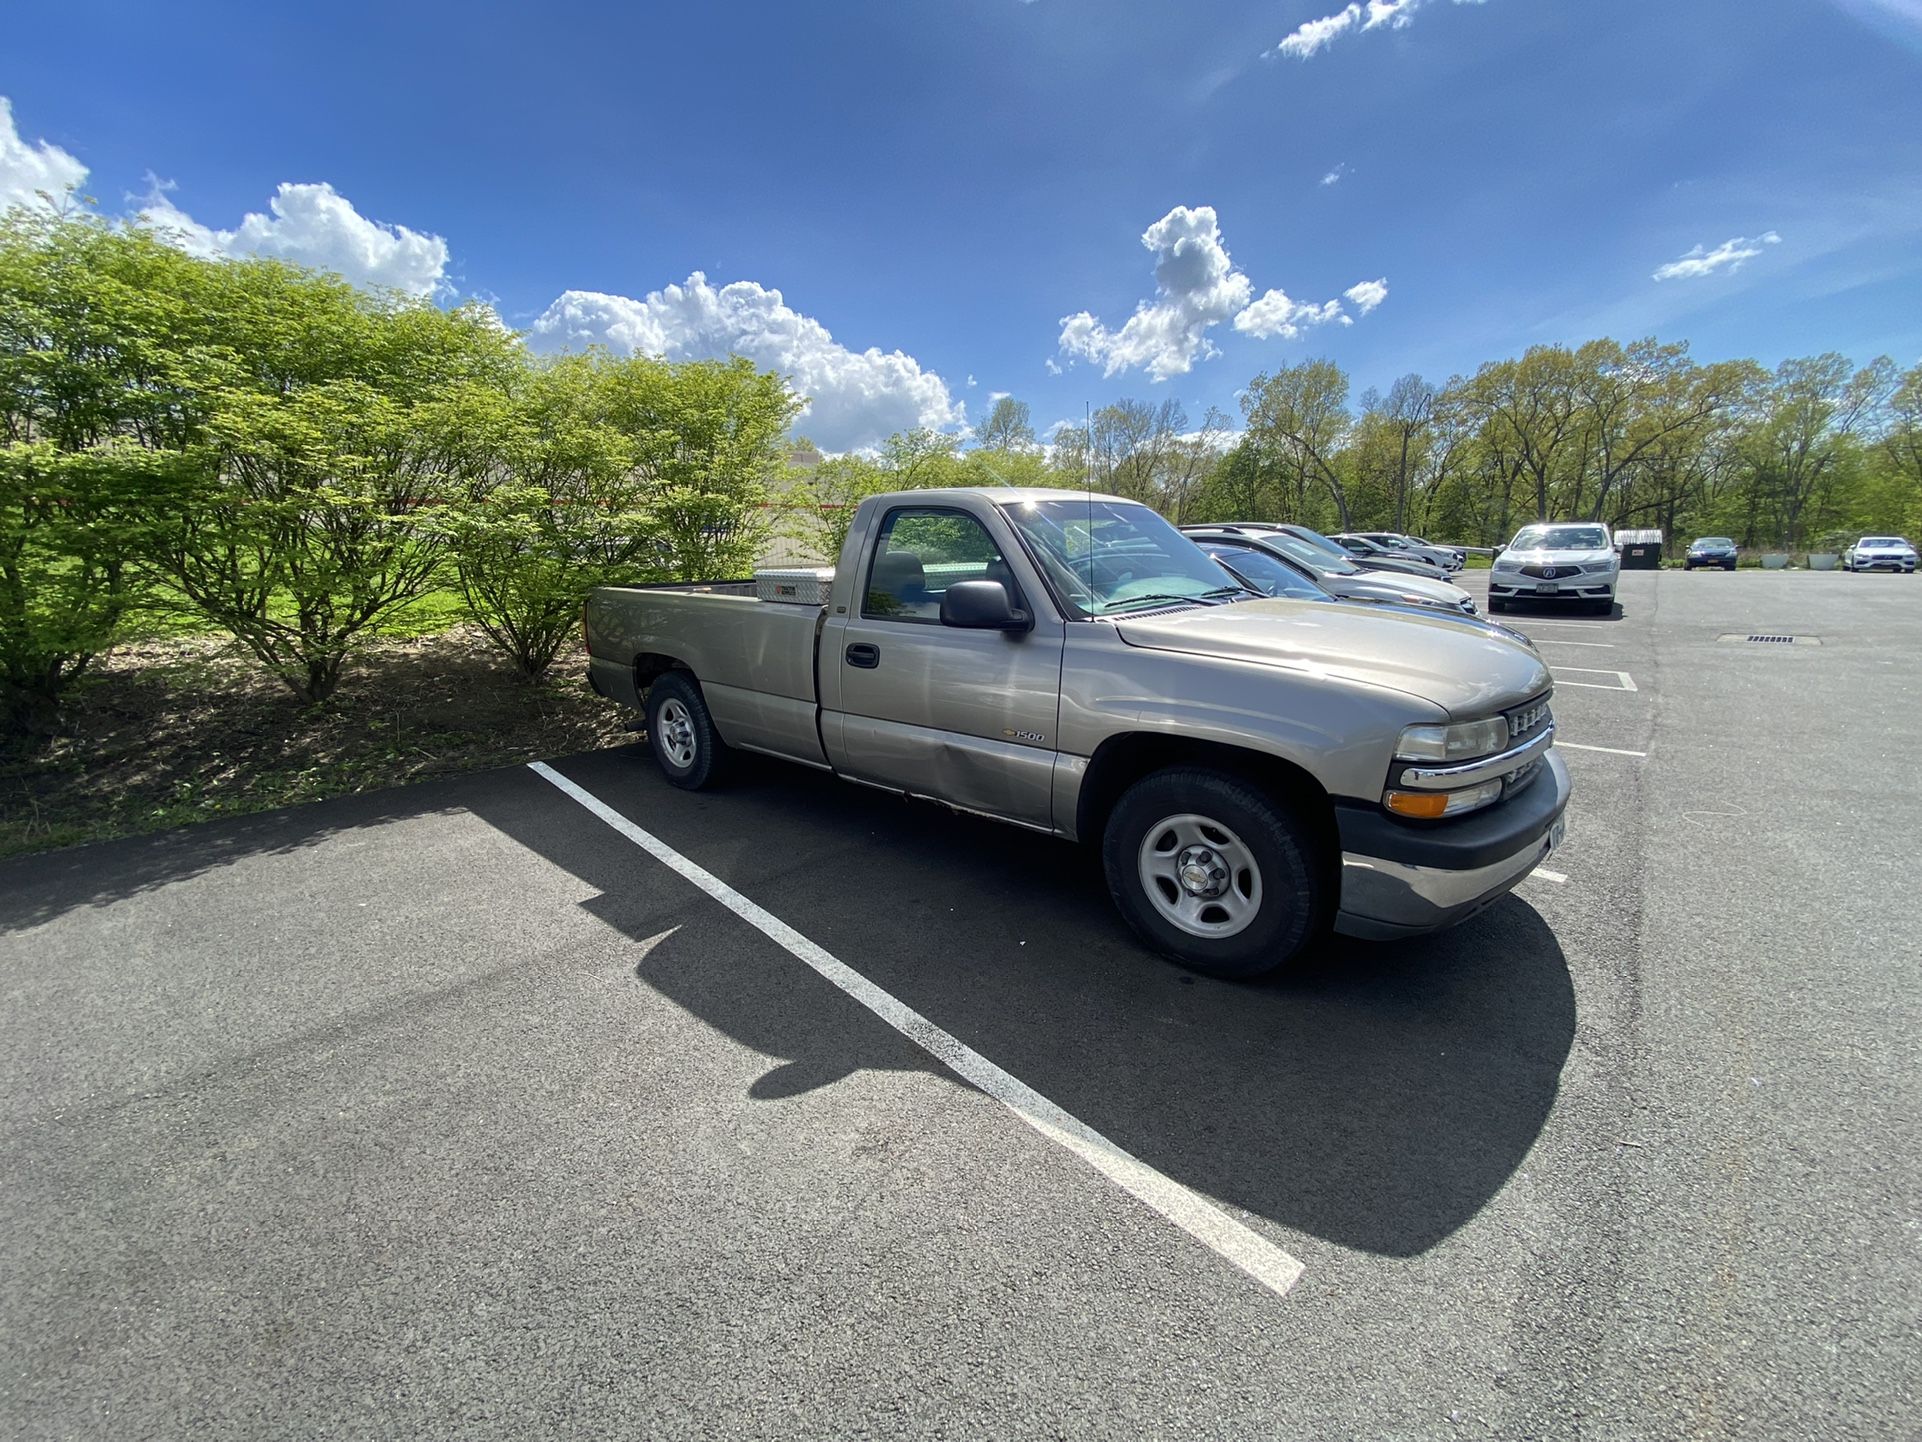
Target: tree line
{"x":1810,"y":454}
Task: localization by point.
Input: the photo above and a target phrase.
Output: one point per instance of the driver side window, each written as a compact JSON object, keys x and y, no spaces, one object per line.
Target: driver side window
{"x":924,"y":550}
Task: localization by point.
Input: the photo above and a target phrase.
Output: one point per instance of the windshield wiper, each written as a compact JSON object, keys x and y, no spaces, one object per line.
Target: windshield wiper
{"x":1163,"y":598}
{"x":1155,"y":598}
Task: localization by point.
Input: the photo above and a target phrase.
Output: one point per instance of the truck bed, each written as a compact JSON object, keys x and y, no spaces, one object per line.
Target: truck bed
{"x":755,"y":659}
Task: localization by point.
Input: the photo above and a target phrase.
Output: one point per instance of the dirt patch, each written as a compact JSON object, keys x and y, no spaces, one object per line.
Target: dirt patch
{"x":176,"y":730}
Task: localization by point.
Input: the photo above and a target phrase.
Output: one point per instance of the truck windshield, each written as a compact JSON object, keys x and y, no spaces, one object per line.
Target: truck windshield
{"x":1104,"y":558}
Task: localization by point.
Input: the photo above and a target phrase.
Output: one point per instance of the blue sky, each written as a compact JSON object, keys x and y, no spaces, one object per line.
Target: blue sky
{"x":950,"y":196}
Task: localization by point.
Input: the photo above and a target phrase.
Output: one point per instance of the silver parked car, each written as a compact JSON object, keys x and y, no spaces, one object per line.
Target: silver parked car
{"x":1447,"y":557}
{"x":1367,"y":555}
{"x":1879,"y":553}
{"x":1338,"y":575}
{"x":1268,"y":572}
{"x":1561,"y":562}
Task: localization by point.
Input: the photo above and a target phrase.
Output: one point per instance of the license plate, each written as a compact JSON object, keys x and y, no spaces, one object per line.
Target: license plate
{"x":1548,"y":587}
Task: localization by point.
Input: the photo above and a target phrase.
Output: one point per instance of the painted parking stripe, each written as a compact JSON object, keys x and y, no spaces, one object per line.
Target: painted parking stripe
{"x":1626,"y":681}
{"x":1558,"y":641}
{"x":1542,"y":873}
{"x":1199,"y":1218}
{"x":1611,"y":750}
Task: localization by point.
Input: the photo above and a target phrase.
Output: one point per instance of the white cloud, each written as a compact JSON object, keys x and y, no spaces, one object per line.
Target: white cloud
{"x":1276,"y":315}
{"x":1312,"y":36}
{"x":1367,"y":294}
{"x":1335,"y":175}
{"x":1729,"y":254}
{"x":312,"y":225}
{"x":972,"y":382}
{"x":29,"y":171}
{"x":856,"y":398}
{"x":1196,"y":287}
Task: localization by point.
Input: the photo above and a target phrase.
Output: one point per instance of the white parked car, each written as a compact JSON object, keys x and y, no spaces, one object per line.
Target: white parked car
{"x":1564,"y":562}
{"x":1879,"y":553}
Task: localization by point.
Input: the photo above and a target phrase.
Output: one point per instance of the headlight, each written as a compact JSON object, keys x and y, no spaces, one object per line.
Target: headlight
{"x":1504,"y":563}
{"x":1433,"y":805}
{"x":1461,"y":742}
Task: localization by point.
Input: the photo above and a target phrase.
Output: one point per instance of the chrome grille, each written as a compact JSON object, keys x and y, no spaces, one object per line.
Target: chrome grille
{"x":1527,"y":720}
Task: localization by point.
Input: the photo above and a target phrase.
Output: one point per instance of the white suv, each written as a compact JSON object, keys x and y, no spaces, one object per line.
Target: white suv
{"x":1558,"y":561}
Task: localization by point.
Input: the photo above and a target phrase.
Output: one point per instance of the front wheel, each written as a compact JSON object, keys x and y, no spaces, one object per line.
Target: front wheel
{"x":681,"y":733}
{"x":1214,"y":872}
{"x":1496,"y":604}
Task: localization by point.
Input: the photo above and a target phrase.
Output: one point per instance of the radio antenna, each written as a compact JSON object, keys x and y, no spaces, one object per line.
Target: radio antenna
{"x":1088,"y":491}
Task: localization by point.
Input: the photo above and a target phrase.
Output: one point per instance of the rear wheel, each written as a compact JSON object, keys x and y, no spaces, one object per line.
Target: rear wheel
{"x":1214,"y":872}
{"x":681,"y":733}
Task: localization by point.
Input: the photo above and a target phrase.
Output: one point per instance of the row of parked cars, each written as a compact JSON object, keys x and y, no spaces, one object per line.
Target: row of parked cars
{"x":1870,"y":553}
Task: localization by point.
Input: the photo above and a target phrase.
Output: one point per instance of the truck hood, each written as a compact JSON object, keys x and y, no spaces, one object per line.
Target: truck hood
{"x":1468,"y":673}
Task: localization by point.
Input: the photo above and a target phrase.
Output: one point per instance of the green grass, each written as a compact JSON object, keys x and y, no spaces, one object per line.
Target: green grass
{"x":166,"y":618}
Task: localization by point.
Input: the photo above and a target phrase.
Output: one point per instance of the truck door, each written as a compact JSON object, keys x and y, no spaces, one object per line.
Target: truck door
{"x":962,"y":716}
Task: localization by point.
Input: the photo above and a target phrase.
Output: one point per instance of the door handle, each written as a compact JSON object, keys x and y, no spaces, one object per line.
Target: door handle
{"x":866,"y":656}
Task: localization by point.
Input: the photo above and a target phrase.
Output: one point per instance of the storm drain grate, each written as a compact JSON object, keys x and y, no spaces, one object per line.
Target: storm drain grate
{"x":1769,"y":638}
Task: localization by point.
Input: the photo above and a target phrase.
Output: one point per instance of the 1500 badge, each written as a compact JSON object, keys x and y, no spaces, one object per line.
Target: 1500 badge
{"x":1025,"y":735}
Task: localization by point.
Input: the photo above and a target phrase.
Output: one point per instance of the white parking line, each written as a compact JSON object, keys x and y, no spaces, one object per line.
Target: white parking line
{"x":1627,"y":681}
{"x":1611,"y":750}
{"x":1199,"y":1218}
{"x":1542,"y":873}
{"x":1558,"y":641}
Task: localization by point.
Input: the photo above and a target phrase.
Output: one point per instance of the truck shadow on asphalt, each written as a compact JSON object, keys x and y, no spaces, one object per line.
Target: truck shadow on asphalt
{"x":1378,"y":1097}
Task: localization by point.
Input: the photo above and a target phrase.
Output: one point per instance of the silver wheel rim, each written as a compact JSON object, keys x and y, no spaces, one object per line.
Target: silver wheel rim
{"x":675,"y":725}
{"x":1200,"y":876}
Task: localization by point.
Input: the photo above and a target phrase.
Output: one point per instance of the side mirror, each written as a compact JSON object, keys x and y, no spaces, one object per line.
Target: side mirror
{"x":981,"y":606}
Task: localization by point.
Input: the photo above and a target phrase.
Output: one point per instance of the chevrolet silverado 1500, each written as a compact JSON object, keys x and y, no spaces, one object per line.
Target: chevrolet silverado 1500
{"x":1256,"y":771}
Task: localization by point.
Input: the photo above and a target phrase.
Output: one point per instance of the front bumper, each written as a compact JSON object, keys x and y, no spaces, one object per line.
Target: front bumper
{"x":1512,"y":586}
{"x":1400,"y":880}
{"x":1884,"y":563}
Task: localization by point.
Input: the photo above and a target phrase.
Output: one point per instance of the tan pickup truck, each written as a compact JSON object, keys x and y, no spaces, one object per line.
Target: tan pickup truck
{"x":1255,"y":771}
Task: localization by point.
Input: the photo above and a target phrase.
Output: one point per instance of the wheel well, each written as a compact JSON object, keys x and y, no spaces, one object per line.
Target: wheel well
{"x":650,"y":666}
{"x":1121,"y":761}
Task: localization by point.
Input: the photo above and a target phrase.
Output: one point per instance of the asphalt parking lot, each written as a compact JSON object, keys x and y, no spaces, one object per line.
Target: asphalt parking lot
{"x":451,"y":1111}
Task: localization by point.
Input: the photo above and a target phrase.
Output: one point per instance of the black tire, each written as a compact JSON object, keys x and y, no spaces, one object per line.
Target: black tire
{"x":1496,"y":604}
{"x":1604,"y":607}
{"x":1285,"y":907}
{"x":681,"y":734}
{"x":1728,"y":565}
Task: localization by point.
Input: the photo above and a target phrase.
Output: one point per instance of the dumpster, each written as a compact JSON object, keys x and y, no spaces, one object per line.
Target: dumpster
{"x":1641,"y":550}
